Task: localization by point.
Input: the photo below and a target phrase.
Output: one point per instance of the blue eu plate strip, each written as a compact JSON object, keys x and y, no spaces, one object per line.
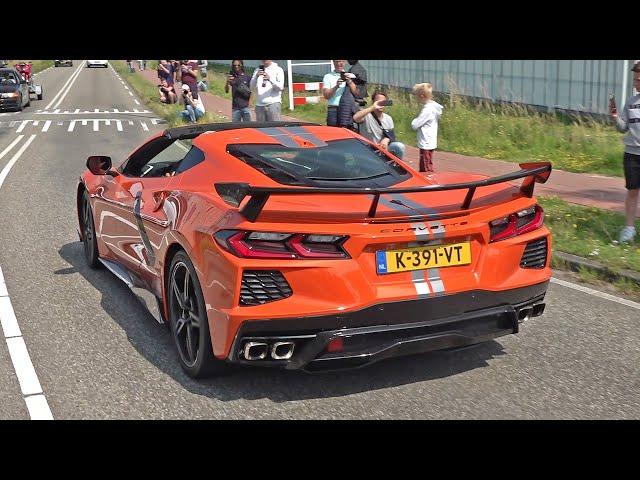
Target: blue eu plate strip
{"x":381,"y":261}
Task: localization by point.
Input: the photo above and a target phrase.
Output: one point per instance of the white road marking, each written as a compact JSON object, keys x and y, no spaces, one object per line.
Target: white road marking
{"x":144,"y":126}
{"x":38,"y":407}
{"x":72,"y":125}
{"x":596,"y":293}
{"x":68,"y":89}
{"x":9,"y":322}
{"x":137,"y":102}
{"x":21,"y":127}
{"x":36,"y":123}
{"x":95,"y":125}
{"x":131,"y":94}
{"x":27,"y":378}
{"x":119,"y":125}
{"x":47,"y":124}
{"x":29,"y":383}
{"x":7,"y":168}
{"x":63,"y":87}
{"x":126,"y":87}
{"x":84,"y":123}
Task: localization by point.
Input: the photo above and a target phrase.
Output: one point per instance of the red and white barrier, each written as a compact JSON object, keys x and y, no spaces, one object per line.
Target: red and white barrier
{"x":303,"y":87}
{"x":305,"y":100}
{"x":306,"y":87}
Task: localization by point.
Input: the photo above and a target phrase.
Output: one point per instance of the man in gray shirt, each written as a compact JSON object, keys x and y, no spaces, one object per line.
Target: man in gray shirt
{"x":377,"y":126}
{"x":629,"y":121}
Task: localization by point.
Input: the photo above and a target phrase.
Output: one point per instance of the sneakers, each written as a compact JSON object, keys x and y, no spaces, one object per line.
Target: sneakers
{"x":627,"y":234}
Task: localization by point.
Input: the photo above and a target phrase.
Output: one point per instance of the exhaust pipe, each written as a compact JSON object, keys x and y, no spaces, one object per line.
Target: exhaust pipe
{"x":282,"y":350}
{"x":524,"y":314}
{"x":538,"y":310}
{"x":255,"y":350}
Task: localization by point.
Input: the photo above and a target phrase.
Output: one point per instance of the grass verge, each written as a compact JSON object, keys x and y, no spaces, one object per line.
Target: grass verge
{"x":148,"y":93}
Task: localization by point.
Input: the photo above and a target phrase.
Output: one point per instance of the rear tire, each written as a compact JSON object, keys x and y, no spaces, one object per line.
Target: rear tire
{"x":188,"y":320}
{"x":40,"y":94}
{"x":20,"y":107}
{"x":89,"y":234}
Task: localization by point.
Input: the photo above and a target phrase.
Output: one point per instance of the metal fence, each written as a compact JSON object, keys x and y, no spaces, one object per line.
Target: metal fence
{"x":575,"y":85}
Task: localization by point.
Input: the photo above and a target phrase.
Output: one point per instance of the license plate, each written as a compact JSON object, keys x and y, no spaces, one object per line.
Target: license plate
{"x":420,"y":258}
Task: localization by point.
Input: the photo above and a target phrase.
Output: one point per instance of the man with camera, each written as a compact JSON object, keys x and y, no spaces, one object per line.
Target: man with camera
{"x":334,"y":84}
{"x":377,"y":126}
{"x":194,"y":108}
{"x":268,"y":82}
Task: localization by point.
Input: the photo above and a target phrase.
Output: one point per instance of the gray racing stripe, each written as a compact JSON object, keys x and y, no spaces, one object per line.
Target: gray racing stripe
{"x":306,"y":135}
{"x":282,"y":137}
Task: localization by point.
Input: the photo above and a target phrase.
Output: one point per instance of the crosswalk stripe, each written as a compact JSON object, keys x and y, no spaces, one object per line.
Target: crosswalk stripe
{"x":95,"y":125}
{"x":21,"y":127}
{"x":46,"y":126}
{"x":71,"y":126}
{"x":144,"y":127}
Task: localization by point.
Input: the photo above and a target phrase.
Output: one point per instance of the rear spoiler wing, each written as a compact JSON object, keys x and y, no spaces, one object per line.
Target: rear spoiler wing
{"x":234,"y":193}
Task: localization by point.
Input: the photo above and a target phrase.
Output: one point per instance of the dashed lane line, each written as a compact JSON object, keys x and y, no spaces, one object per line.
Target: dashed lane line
{"x":30,"y":387}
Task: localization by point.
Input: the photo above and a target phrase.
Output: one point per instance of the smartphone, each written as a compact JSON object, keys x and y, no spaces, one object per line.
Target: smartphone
{"x":261,"y":67}
{"x":612,"y":103}
{"x":386,"y":103}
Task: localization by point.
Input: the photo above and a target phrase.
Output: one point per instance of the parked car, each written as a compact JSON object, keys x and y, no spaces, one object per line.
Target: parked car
{"x":299,"y":246}
{"x":63,"y":63}
{"x":14,"y":90}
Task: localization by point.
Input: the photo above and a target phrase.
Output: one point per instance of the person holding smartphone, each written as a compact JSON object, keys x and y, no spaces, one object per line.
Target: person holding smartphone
{"x":240,"y":84}
{"x":377,"y":127}
{"x":193,"y":106}
{"x":334,"y":84}
{"x":628,"y":120}
{"x":268,"y":82}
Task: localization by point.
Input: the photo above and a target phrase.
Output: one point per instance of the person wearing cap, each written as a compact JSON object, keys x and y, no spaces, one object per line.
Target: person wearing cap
{"x":628,"y":120}
{"x":194,"y":108}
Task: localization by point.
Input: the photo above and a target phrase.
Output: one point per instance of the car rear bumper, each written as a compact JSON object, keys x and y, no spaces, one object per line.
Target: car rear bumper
{"x":389,"y":330}
{"x":9,"y":103}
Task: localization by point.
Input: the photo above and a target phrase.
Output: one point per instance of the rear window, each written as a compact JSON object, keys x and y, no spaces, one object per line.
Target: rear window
{"x":342,"y":163}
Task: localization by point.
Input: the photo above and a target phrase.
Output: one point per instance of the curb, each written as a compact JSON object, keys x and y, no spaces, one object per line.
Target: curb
{"x":575,"y":263}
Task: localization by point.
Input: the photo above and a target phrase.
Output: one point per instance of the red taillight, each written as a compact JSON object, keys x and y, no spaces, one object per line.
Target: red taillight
{"x":517,"y":223}
{"x":281,"y":245}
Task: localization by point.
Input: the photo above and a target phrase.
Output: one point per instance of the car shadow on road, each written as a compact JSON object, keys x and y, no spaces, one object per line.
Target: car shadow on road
{"x":153,"y":341}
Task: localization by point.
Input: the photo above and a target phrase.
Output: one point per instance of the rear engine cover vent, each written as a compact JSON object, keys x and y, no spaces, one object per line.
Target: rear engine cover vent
{"x":262,"y":286}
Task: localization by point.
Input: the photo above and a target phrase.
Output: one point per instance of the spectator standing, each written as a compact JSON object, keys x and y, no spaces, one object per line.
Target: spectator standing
{"x":334,"y":84}
{"x":203,"y":85}
{"x":194,"y":108}
{"x":377,"y":126}
{"x":426,"y":124}
{"x":165,"y":71}
{"x":189,"y":75}
{"x":130,"y":65}
{"x":268,"y":82}
{"x":351,"y":102}
{"x":142,"y":64}
{"x":628,"y":120}
{"x":176,"y":70}
{"x":240,"y":84}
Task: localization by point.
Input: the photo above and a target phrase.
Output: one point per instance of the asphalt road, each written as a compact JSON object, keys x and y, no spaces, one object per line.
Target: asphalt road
{"x":99,"y":355}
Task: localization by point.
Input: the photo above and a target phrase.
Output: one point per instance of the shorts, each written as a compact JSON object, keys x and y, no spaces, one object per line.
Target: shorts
{"x":631,"y":171}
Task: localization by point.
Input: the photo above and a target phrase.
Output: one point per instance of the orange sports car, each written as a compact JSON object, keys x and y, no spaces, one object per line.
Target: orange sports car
{"x":302,"y":246}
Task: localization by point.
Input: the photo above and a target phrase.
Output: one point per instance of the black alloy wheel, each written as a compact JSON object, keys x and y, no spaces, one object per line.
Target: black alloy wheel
{"x":188,"y":319}
{"x":89,"y":233}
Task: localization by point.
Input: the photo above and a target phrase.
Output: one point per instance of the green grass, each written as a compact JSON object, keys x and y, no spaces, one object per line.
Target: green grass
{"x":590,"y":233}
{"x":148,"y":93}
{"x":511,"y":133}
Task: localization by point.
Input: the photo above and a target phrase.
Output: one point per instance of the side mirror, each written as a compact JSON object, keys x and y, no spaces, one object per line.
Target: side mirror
{"x":100,"y":165}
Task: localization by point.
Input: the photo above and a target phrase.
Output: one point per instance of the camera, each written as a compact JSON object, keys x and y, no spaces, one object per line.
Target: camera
{"x":343,"y":76}
{"x":386,"y":103}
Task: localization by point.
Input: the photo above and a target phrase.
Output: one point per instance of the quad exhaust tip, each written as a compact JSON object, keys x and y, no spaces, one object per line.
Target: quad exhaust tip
{"x":260,"y":350}
{"x":282,"y":350}
{"x":255,"y":350}
{"x":525,"y":313}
